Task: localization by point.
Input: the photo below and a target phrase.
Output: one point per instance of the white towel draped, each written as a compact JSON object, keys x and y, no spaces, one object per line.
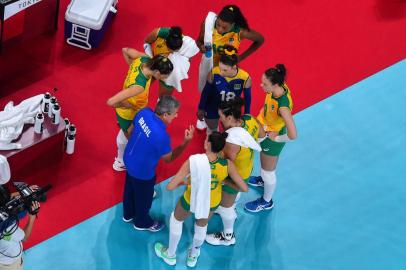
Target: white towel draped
{"x":200,"y":175}
{"x":206,"y":63}
{"x":180,"y":61}
{"x":241,"y":137}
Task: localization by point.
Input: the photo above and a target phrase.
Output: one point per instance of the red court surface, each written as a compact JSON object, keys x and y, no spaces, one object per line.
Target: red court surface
{"x":325,"y":45}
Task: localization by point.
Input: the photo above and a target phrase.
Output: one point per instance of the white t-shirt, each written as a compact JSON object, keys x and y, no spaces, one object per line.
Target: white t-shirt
{"x":11,"y":248}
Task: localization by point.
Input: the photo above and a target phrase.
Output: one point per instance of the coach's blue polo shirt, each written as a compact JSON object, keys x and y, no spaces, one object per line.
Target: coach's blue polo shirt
{"x":149,"y":141}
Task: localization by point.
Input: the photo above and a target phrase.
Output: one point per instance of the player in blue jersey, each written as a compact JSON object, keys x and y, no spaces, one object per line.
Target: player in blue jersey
{"x":223,"y":84}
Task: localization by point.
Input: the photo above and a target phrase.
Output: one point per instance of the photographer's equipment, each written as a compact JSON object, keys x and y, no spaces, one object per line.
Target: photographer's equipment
{"x":39,"y":123}
{"x":45,"y":102}
{"x":14,"y":208}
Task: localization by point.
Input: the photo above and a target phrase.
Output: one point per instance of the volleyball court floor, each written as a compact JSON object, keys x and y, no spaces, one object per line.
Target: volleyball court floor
{"x":339,"y":204}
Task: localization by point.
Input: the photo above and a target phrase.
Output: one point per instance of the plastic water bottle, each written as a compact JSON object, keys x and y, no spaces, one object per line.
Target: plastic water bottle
{"x":56,"y":114}
{"x":39,"y":123}
{"x":209,"y":51}
{"x":70,"y":144}
{"x":70,"y":139}
{"x":52,"y":102}
{"x":45,"y":102}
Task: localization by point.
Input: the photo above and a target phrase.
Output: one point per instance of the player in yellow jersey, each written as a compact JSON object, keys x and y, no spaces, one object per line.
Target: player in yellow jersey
{"x":134,"y":95}
{"x":276,"y":118}
{"x":165,"y":40}
{"x":230,"y":28}
{"x":243,"y":158}
{"x":223,"y":84}
{"x":220,"y":169}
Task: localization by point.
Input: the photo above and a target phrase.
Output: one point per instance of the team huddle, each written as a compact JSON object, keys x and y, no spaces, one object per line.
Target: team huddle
{"x":215,"y":178}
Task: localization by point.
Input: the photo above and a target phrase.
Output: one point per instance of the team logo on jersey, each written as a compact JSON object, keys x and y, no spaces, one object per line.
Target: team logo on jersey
{"x":218,"y":82}
{"x":231,"y":40}
{"x":237,"y":86}
{"x":273,"y":107}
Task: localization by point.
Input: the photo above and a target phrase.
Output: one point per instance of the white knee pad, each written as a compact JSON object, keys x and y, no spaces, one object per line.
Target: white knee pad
{"x":175,"y":226}
{"x":227,"y":213}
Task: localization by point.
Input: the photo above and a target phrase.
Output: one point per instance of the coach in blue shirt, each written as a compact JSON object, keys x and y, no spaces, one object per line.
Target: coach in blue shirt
{"x":148,"y":143}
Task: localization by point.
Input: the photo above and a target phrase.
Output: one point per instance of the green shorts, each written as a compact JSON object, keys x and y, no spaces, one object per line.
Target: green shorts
{"x":123,"y":123}
{"x":231,"y":190}
{"x":186,"y":205}
{"x":272,"y":148}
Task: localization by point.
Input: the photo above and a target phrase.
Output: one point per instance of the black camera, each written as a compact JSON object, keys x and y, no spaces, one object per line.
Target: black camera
{"x":12,"y":208}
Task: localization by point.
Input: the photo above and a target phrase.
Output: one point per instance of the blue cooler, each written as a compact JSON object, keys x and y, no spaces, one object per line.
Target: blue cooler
{"x":87,"y":20}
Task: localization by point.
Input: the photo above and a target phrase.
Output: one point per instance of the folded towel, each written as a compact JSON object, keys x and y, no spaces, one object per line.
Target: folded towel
{"x":200,"y":175}
{"x":241,"y":137}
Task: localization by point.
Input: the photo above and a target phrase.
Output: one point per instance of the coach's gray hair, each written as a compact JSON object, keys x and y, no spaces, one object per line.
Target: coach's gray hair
{"x":166,"y":104}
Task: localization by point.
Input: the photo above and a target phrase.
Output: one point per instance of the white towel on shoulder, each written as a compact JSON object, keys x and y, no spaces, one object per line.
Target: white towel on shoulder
{"x":206,"y":63}
{"x":180,"y":61}
{"x":181,"y":64}
{"x":200,"y":175}
{"x":241,"y":137}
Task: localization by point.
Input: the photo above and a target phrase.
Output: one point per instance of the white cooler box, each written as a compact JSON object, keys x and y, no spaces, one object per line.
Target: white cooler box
{"x":87,"y":20}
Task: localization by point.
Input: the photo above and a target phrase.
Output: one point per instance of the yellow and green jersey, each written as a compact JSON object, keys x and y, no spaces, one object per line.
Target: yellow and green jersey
{"x":135,"y":77}
{"x":269,"y":115}
{"x":219,"y":40}
{"x":219,"y":172}
{"x":244,"y":160}
{"x":159,"y":45}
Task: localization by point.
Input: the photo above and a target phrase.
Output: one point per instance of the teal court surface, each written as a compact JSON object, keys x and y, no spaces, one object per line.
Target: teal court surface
{"x":340,"y":201}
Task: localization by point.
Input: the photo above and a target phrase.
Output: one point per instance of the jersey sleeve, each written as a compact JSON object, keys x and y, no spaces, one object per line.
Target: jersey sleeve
{"x":163,"y":32}
{"x":164,"y":146}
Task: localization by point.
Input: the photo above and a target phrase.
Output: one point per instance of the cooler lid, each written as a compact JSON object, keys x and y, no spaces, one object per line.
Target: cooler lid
{"x":88,"y":13}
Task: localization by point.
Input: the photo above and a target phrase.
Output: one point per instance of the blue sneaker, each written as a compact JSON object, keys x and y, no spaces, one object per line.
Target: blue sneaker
{"x":256,"y":181}
{"x":156,"y":227}
{"x":258,"y":205}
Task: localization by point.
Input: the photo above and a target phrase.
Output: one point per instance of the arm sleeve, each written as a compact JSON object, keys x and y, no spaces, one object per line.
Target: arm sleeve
{"x":247,"y":99}
{"x":208,"y":87}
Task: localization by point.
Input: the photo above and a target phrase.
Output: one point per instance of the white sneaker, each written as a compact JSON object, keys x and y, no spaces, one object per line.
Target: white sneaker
{"x":118,"y":165}
{"x":192,"y":260}
{"x":219,"y":238}
{"x":162,"y":252}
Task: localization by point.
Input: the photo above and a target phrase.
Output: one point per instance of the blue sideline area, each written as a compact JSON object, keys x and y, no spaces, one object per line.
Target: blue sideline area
{"x":340,"y":201}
